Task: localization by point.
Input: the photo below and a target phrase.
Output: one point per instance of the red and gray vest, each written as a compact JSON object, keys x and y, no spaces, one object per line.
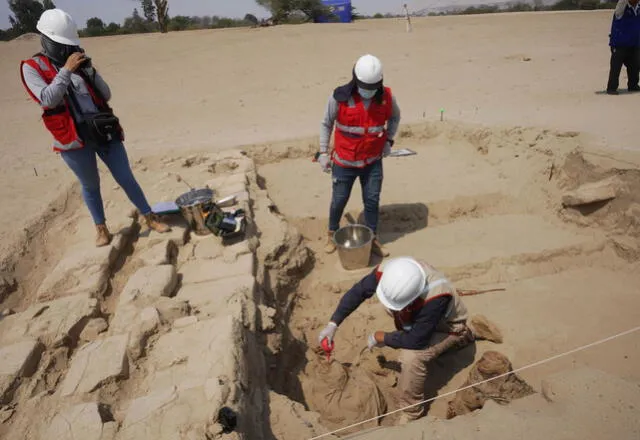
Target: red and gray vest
{"x":361,"y":133}
{"x":437,"y":287}
{"x":59,"y":120}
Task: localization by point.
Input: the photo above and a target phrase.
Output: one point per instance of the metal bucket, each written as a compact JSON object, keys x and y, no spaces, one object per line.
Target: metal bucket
{"x":354,"y":246}
{"x":193,"y":205}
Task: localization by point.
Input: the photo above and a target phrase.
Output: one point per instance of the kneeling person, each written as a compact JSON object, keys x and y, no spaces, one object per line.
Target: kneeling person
{"x":429,"y":316}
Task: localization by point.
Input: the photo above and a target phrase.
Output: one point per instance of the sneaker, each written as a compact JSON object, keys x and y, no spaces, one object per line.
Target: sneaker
{"x":378,"y":249}
{"x":329,"y":246}
{"x":612,"y":92}
{"x":104,"y":236}
{"x":634,"y":89}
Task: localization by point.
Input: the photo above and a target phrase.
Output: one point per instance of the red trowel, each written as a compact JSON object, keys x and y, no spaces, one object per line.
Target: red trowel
{"x":328,"y":347}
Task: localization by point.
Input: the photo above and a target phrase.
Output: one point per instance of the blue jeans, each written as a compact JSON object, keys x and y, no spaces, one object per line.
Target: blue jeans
{"x":84,"y":164}
{"x":371,"y":183}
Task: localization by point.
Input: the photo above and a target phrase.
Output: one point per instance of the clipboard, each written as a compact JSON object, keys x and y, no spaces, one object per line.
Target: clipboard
{"x":402,"y":152}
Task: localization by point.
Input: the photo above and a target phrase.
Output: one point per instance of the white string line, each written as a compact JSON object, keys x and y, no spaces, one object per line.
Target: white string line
{"x":517,"y":370}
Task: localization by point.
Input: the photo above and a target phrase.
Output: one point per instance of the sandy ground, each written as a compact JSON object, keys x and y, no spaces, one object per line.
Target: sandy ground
{"x":480,"y":202}
{"x":486,"y":210}
{"x":213,"y":89}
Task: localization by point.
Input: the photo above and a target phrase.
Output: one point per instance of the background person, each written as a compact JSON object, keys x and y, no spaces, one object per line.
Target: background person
{"x":625,"y":46}
{"x":366,"y":117}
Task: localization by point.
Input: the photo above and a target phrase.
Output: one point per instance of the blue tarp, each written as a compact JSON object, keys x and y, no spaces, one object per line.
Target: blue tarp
{"x":340,"y":8}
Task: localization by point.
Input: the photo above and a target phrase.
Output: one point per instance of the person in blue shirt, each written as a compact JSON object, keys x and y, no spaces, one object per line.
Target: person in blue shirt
{"x":625,"y":45}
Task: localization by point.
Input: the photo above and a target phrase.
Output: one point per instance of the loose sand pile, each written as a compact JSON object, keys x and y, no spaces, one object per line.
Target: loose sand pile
{"x":31,"y":36}
{"x":501,"y":390}
{"x":342,"y":394}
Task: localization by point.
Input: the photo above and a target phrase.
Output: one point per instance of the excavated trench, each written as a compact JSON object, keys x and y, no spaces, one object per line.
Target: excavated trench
{"x":304,"y":285}
{"x":355,"y":384}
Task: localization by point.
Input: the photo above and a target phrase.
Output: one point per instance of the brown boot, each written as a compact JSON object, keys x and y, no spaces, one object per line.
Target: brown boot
{"x":378,"y":249}
{"x":104,"y":237}
{"x":330,"y":246}
{"x":155,"y":225}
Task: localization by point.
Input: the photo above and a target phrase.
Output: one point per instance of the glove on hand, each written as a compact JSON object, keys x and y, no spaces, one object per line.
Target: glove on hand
{"x":328,"y":332}
{"x":372,"y":342}
{"x":324,"y":162}
{"x":387,"y":150}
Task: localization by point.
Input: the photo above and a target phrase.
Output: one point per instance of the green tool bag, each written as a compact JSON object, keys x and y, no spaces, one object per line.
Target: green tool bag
{"x":225,"y":224}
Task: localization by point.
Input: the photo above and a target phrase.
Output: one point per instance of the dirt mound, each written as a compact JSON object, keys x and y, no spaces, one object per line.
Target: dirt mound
{"x":343,"y":395}
{"x":482,"y":328}
{"x":277,"y":151}
{"x":502,"y":390}
{"x":619,"y":214}
{"x":31,"y":36}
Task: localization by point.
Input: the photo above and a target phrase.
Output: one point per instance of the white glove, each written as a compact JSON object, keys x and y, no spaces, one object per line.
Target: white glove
{"x":324,"y":162}
{"x":372,"y":343}
{"x":387,"y":149}
{"x":328,"y":332}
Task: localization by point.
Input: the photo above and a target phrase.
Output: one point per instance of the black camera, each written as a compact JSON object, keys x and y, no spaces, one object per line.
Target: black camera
{"x":86,"y":61}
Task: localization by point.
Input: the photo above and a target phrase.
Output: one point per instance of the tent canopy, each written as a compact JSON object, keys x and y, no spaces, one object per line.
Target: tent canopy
{"x":340,"y":8}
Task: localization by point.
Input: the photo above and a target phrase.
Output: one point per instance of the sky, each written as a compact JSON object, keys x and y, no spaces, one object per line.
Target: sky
{"x":117,"y":10}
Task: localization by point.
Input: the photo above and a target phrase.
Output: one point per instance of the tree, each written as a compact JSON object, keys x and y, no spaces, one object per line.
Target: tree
{"x":95,"y":27}
{"x":25,"y":15}
{"x":48,"y":4}
{"x":281,"y":10}
{"x":313,"y":9}
{"x":135,"y":24}
{"x":162,"y":12}
{"x":148,"y":10}
{"x":95,"y":22}
{"x":112,"y":28}
{"x":180,"y":23}
{"x":196,"y":22}
{"x":251,"y":19}
{"x":355,"y":15}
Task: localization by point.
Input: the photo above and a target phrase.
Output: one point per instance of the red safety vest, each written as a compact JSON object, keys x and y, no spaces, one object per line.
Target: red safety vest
{"x":361,"y":133}
{"x":59,"y":120}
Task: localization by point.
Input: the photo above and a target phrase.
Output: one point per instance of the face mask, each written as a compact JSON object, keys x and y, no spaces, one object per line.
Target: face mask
{"x":57,"y":52}
{"x":366,"y":94}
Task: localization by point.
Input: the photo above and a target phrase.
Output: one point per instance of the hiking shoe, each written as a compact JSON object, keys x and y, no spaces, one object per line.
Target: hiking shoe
{"x":378,"y":249}
{"x":104,"y":236}
{"x":156,"y":225}
{"x":330,"y":246}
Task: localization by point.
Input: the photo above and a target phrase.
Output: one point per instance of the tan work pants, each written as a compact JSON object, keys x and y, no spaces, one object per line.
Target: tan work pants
{"x":414,"y":368}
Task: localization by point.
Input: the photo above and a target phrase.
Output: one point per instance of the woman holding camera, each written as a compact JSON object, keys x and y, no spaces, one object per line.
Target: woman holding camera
{"x":74,"y":99}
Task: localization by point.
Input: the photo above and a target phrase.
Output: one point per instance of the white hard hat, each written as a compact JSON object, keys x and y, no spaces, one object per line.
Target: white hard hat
{"x":59,"y":26}
{"x":368,"y":69}
{"x":403,"y":280}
